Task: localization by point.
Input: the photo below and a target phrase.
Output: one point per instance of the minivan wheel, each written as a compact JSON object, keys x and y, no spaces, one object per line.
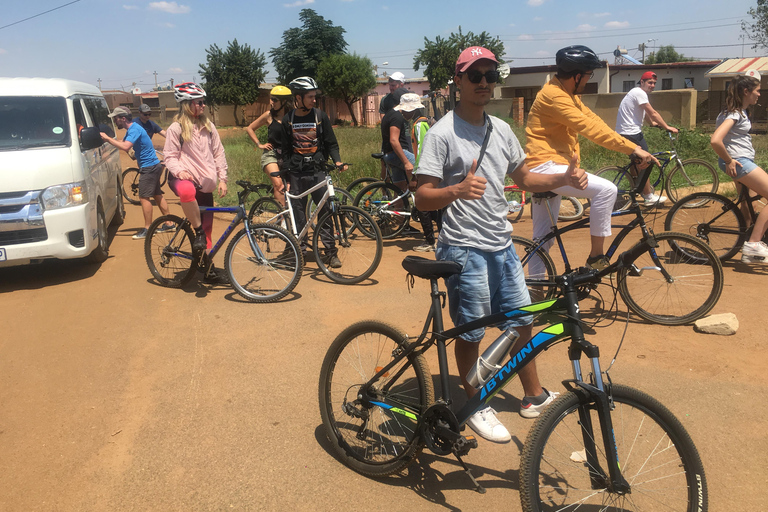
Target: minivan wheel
{"x":100,"y":253}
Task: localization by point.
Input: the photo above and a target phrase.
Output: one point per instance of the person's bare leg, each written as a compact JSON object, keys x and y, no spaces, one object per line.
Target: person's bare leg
{"x":192,"y":212}
{"x":146,"y":210}
{"x":597,"y":246}
{"x":162,"y":204}
{"x":757,"y":181}
{"x":529,"y":377}
{"x":466,"y":353}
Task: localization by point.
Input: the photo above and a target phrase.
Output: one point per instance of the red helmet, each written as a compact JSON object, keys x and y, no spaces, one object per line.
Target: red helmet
{"x":188,"y":91}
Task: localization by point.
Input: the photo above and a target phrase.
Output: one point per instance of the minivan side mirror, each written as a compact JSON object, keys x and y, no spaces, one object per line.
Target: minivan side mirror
{"x":90,"y":138}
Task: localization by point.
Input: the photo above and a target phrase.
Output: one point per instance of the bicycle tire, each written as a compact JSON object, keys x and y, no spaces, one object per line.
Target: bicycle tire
{"x":695,"y":176}
{"x":624,"y":182}
{"x":515,"y":204}
{"x":388,"y":441}
{"x":697,"y":281}
{"x":357,"y":185}
{"x":131,"y":185}
{"x":163,"y":175}
{"x":570,"y":209}
{"x":264,"y":210}
{"x":375,"y":200}
{"x":538,"y":267}
{"x":358,"y":244}
{"x":169,"y":253}
{"x":657,"y":456}
{"x":264,"y":281}
{"x":712,"y":218}
{"x":342,"y":197}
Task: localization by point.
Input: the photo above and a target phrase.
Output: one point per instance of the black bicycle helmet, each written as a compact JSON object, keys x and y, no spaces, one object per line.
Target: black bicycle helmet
{"x":303,"y":84}
{"x":577,"y":58}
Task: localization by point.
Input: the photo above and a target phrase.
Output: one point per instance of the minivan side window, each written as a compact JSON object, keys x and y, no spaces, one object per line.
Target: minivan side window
{"x":97,"y":108}
{"x":29,"y":122}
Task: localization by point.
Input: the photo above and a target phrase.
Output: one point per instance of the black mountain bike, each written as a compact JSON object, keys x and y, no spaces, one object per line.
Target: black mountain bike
{"x":599,"y":446}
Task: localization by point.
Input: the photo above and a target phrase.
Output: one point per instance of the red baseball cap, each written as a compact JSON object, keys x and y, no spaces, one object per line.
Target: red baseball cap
{"x":472,"y":55}
{"x":648,"y":75}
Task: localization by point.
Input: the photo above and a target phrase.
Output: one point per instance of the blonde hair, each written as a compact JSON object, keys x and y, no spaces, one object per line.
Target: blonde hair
{"x":735,"y":95}
{"x":187,"y":121}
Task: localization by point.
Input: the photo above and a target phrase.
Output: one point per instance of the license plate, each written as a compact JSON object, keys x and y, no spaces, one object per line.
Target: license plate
{"x":2,"y":254}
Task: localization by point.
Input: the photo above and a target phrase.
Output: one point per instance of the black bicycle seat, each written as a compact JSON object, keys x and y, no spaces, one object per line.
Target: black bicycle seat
{"x":430,"y":269}
{"x":544,"y":195}
{"x":377,"y":155}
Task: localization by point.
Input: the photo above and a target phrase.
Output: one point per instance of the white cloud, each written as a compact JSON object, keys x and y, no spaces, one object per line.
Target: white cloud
{"x":524,"y":37}
{"x":586,"y":27}
{"x":538,"y":18}
{"x":169,"y":7}
{"x":617,"y":24}
{"x":3,"y":51}
{"x":130,"y":7}
{"x":535,"y":3}
{"x":299,"y":3}
{"x":169,"y":25}
{"x":601,"y":14}
{"x":175,"y":70}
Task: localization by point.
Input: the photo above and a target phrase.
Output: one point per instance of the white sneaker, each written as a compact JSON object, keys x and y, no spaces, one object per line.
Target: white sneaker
{"x":487,"y":426}
{"x":425,"y":247}
{"x":754,"y":252}
{"x":654,"y":199}
{"x":528,"y":410}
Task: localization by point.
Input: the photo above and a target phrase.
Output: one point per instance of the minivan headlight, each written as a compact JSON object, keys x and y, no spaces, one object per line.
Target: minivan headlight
{"x":64,"y":196}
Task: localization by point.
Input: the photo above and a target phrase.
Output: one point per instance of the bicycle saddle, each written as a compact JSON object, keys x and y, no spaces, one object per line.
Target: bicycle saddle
{"x":544,"y":195}
{"x":377,"y":155}
{"x":430,"y":269}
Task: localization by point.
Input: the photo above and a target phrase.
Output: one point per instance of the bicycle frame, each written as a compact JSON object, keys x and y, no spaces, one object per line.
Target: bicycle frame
{"x":383,"y":206}
{"x":565,"y":309}
{"x":329,"y":194}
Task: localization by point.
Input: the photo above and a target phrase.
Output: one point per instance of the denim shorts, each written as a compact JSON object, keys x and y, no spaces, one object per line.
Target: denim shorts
{"x":747,"y":166}
{"x":396,"y":165}
{"x":490,"y":282}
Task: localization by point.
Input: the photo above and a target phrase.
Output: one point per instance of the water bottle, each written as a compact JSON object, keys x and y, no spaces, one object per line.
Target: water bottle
{"x":488,"y":363}
{"x":514,"y":206}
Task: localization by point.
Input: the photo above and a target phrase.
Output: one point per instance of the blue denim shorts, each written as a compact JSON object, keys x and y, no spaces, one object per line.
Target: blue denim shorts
{"x":396,"y":165}
{"x":490,"y":282}
{"x":747,"y":166}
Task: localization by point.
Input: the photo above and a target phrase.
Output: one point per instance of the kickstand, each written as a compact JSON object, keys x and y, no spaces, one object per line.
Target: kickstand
{"x":479,"y":488}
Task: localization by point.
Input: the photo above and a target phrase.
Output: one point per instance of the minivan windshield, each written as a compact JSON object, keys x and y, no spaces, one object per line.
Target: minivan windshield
{"x":29,"y":122}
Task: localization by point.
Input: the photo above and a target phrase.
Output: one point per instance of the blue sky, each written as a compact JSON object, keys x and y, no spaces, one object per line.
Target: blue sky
{"x":125,"y":41}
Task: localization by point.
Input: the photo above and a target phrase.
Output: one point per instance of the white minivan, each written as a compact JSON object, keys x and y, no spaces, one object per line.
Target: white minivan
{"x":60,"y":185}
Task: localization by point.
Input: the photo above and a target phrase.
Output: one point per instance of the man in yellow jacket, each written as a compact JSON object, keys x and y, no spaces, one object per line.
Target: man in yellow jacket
{"x":555,"y":121}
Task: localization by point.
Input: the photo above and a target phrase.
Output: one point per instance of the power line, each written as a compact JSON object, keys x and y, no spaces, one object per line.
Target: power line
{"x":623,"y":34}
{"x":37,"y":15}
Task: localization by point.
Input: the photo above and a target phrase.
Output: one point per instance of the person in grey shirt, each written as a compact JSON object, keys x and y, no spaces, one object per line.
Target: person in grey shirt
{"x":475,"y":228}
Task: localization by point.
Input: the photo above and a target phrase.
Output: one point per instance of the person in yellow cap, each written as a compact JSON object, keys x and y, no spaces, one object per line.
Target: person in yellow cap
{"x":280,"y":103}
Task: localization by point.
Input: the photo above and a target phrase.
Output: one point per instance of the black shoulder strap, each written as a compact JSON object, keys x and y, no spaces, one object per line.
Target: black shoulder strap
{"x":485,"y":139}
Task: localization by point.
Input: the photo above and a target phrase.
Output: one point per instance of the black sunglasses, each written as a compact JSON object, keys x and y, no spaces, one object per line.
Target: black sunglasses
{"x":476,"y":77}
{"x":146,"y":114}
{"x":199,"y":103}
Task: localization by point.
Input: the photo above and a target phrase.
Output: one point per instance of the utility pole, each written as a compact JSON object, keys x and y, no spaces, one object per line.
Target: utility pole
{"x":99,"y":80}
{"x":742,"y":45}
{"x":641,"y":47}
{"x":155,"y":73}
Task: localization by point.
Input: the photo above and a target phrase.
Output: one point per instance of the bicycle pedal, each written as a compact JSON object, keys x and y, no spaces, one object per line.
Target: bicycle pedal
{"x":463,"y":444}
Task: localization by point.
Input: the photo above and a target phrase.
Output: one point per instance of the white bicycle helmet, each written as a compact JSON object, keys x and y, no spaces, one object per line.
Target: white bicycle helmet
{"x":303,"y":83}
{"x":188,"y":91}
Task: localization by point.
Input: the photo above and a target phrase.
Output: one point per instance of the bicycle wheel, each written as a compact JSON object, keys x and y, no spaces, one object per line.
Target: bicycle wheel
{"x":624,"y":183}
{"x":515,"y":202}
{"x":570,"y":209}
{"x":168,"y":251}
{"x":342,"y":197}
{"x":358,"y":245}
{"x":371,"y":439}
{"x":691,"y":290}
{"x":711,"y":218}
{"x":693,"y":176}
{"x":357,"y":185}
{"x":131,"y":185}
{"x":264,"y":210}
{"x":538,"y":266}
{"x":268,"y":276}
{"x":380,"y":201}
{"x":657,"y":457}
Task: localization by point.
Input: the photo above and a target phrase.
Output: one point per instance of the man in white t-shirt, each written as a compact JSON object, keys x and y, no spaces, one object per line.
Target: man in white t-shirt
{"x":629,"y":122}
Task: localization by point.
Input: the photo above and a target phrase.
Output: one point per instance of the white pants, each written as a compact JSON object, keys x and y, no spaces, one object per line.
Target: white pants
{"x":600,"y":192}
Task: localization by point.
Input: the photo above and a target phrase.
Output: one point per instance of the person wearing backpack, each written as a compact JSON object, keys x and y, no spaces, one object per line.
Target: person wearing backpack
{"x":421,"y":125}
{"x":307,"y":143}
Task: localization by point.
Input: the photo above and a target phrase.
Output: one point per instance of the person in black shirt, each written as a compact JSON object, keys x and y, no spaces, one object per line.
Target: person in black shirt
{"x":308,"y":141}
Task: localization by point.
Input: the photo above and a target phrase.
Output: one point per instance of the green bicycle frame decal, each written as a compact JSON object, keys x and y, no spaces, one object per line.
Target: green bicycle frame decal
{"x":392,"y":408}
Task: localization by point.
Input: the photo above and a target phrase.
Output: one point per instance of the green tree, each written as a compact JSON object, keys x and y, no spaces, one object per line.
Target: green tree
{"x":346,"y":77}
{"x":758,"y":31}
{"x":304,"y":48}
{"x":439,"y":56}
{"x":666,"y":54}
{"x":232,"y":77}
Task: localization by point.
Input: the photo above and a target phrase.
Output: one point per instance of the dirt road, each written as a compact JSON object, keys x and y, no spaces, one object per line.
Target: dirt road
{"x":118,"y":394}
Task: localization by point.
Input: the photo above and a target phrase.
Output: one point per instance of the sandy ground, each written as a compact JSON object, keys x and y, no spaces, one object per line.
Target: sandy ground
{"x":119,"y":394}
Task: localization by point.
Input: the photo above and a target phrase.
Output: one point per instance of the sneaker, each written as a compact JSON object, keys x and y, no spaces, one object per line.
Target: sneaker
{"x":487,"y":426}
{"x":332,"y":261}
{"x":216,"y":276}
{"x":654,"y":199}
{"x":166,"y":227}
{"x":142,"y":234}
{"x":528,"y":410}
{"x":425,"y":247}
{"x":199,"y":244}
{"x":598,"y":262}
{"x":754,"y":252}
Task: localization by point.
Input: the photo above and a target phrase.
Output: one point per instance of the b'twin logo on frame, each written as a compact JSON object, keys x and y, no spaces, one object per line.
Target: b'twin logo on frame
{"x":506,"y":370}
